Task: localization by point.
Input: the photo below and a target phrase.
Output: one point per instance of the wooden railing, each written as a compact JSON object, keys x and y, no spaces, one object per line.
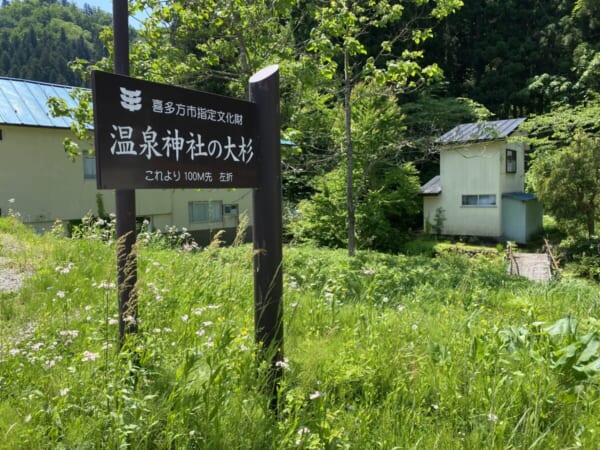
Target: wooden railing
{"x":513,"y":267}
{"x":553,"y":261}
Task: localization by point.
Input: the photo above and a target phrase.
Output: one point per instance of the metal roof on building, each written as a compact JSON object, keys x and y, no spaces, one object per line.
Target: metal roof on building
{"x":433,"y":186}
{"x":480,"y":131}
{"x":24,"y":102}
{"x":523,"y":196}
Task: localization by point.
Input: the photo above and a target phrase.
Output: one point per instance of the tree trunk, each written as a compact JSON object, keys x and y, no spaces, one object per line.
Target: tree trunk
{"x":349,"y":157}
{"x":591,"y":224}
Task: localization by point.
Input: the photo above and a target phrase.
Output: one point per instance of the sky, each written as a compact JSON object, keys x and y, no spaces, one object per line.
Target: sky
{"x":105,"y":5}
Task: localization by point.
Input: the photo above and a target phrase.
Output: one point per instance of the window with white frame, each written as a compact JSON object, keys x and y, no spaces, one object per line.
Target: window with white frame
{"x":511,"y":161}
{"x":479,"y":200}
{"x":89,"y":166}
{"x":203,"y":212}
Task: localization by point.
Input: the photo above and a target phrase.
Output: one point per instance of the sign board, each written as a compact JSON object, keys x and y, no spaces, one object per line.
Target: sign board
{"x":150,"y":135}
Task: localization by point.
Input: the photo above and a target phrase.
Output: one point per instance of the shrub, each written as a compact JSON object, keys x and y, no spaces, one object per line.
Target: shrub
{"x":386,"y":206}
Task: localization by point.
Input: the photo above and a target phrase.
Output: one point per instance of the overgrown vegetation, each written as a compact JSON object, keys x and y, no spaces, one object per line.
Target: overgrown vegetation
{"x":382,"y":351}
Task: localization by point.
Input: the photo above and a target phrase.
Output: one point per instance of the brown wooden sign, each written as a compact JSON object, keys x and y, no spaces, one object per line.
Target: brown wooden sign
{"x":150,"y":135}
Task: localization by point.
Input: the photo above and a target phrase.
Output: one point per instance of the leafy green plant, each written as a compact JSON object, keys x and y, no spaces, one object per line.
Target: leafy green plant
{"x":438,"y":221}
{"x":575,"y":356}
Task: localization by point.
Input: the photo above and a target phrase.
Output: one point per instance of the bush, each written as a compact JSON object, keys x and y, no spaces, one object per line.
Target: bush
{"x":387,"y":203}
{"x":583,"y":256}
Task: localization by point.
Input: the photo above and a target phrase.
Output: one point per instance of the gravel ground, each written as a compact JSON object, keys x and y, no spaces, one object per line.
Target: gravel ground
{"x":11,"y":279}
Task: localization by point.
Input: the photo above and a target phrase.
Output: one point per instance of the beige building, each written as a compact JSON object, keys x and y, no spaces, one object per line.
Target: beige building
{"x":480,"y":189}
{"x":40,"y":182}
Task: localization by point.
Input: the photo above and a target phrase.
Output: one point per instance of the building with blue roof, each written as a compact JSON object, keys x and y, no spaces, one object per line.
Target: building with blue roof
{"x":40,"y":183}
{"x":25,"y":103}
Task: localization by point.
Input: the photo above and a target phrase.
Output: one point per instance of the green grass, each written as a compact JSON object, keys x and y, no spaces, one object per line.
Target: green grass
{"x":382,"y":351}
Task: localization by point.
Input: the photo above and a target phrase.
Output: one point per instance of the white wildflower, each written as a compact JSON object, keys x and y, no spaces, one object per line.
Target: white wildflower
{"x":283,"y":364}
{"x":90,"y":356}
{"x":315,"y":395}
{"x":106,"y":285}
{"x":129,"y":319}
{"x":70,"y":333}
{"x":302,"y":431}
{"x":64,"y":270}
{"x":492,"y":417}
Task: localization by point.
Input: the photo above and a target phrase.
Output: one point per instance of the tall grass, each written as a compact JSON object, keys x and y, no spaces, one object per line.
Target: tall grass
{"x":382,"y":352}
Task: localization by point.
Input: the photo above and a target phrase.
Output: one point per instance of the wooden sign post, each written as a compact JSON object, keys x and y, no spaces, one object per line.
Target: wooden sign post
{"x":124,"y":198}
{"x":156,"y":136}
{"x":267,"y":229}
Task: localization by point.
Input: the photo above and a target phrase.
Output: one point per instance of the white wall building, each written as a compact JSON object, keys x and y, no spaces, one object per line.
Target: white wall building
{"x":481,"y":183}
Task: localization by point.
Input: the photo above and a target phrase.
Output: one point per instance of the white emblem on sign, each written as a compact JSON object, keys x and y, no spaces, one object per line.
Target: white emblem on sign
{"x":131,"y":100}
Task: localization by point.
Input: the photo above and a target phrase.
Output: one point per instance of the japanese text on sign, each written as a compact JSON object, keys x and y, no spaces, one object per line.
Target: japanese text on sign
{"x":166,"y":176}
{"x":196,"y":112}
{"x":172,"y":145}
{"x":150,"y":135}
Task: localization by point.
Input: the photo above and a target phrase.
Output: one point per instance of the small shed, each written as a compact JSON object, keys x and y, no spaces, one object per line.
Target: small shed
{"x":521,"y":217}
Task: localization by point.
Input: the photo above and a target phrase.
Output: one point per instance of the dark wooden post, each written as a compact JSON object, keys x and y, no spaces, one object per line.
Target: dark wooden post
{"x":267,"y":225}
{"x":124,"y":199}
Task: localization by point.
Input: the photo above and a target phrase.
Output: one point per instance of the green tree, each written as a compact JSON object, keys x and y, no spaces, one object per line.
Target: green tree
{"x":385,"y":189}
{"x":41,"y":37}
{"x":211,"y":45}
{"x":357,"y":40}
{"x":567,"y":182}
{"x":216,"y":46}
{"x":385,"y":209}
{"x":555,"y":129}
